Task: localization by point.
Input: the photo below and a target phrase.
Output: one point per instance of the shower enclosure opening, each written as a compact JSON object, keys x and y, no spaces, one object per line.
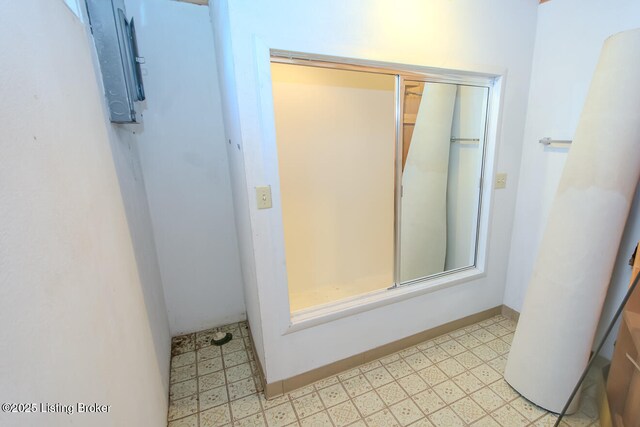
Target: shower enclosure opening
{"x":380,"y":176}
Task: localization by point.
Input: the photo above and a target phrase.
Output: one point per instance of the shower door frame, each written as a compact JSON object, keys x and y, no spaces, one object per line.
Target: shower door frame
{"x":491,"y":79}
{"x":399,"y":150}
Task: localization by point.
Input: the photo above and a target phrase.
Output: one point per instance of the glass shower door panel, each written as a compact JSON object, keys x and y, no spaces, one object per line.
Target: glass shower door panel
{"x":443,"y":149}
{"x":335,"y":132}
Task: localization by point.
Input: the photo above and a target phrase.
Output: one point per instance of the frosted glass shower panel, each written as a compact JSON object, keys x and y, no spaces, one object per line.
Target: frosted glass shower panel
{"x":442,"y":154}
{"x":335,"y":132}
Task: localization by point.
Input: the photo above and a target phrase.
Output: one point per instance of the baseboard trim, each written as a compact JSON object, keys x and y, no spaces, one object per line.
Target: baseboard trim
{"x":277,"y":388}
{"x":510,"y":313}
{"x":256,"y":359}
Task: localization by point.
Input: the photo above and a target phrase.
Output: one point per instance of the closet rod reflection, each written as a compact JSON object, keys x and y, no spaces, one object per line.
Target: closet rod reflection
{"x":465,"y":139}
{"x":555,"y":142}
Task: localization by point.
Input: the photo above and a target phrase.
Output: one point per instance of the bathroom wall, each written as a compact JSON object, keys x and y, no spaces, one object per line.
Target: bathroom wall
{"x":377,"y":30}
{"x":336,"y":144}
{"x":569,"y":37}
{"x":184,"y":160}
{"x":81,"y":301}
{"x":220,"y":21}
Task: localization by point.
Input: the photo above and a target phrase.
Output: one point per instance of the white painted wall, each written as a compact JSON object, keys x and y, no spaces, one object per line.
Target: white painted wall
{"x":182,"y":149}
{"x":81,"y":304}
{"x":495,"y":34}
{"x":568,"y":42}
{"x":220,"y":21}
{"x":336,"y":144}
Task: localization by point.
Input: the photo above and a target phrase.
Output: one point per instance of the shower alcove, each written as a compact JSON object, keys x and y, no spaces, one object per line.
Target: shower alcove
{"x":290,"y":341}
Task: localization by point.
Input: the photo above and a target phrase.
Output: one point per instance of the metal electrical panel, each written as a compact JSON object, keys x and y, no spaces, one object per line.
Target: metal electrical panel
{"x":115,"y":39}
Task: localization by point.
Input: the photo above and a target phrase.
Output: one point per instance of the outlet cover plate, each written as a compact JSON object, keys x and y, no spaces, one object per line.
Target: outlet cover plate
{"x":263,"y":197}
{"x":501,"y":180}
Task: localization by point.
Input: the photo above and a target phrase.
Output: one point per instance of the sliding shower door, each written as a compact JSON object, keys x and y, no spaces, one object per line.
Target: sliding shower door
{"x":335,"y":132}
{"x":442,"y":156}
{"x":380,"y":176}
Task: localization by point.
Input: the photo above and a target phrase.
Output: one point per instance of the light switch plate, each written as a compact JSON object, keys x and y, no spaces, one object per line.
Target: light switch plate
{"x":501,"y":180}
{"x":263,"y":197}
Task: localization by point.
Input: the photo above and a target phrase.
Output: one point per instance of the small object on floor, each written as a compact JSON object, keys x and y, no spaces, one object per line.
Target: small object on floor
{"x":220,"y":338}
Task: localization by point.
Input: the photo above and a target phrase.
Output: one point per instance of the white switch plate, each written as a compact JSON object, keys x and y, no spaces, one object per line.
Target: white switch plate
{"x":263,"y":197}
{"x":501,"y":180}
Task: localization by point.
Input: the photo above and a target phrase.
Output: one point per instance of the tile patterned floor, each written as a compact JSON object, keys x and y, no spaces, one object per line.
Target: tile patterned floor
{"x":453,"y":380}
